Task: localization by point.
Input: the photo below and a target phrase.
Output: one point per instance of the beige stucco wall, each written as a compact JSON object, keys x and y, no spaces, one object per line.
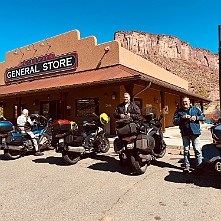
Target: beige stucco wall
{"x":90,"y":56}
{"x":170,"y":101}
{"x":140,"y":64}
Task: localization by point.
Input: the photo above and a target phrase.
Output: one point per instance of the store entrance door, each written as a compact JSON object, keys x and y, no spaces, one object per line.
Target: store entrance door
{"x":51,"y":109}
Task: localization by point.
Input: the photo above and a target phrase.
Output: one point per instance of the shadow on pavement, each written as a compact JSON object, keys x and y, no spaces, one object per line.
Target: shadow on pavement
{"x":109,"y":163}
{"x":208,"y":178}
{"x":51,"y":160}
{"x":163,"y":164}
{"x":2,"y":157}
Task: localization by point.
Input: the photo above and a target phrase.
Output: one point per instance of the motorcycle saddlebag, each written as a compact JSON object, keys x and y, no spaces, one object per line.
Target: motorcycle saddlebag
{"x":145,"y":142}
{"x":5,"y":126}
{"x":127,"y":130}
{"x":14,"y":138}
{"x":60,"y":126}
{"x":75,"y":139}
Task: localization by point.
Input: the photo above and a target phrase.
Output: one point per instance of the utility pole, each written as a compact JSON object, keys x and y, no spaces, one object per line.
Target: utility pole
{"x":219,"y":31}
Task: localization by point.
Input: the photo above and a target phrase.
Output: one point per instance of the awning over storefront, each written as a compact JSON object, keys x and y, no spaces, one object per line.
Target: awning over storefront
{"x":114,"y":74}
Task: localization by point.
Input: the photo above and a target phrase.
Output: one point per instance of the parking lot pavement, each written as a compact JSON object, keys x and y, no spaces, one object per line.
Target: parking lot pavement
{"x":98,"y":188}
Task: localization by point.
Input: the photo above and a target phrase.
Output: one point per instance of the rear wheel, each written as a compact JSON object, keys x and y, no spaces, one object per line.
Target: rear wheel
{"x":12,"y":154}
{"x":160,"y":151}
{"x":71,"y":157}
{"x":49,"y":145}
{"x":138,"y":166}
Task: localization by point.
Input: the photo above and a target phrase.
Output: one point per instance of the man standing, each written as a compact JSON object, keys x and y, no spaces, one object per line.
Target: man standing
{"x":188,"y":118}
{"x":127,"y":109}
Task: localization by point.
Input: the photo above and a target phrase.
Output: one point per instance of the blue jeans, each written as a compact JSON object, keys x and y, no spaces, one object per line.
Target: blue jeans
{"x":195,"y":139}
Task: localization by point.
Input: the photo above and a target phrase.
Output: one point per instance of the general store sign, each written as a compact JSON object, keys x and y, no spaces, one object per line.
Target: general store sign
{"x":41,"y":66}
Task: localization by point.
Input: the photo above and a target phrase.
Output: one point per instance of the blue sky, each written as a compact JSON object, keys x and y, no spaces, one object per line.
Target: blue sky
{"x":24,"y":22}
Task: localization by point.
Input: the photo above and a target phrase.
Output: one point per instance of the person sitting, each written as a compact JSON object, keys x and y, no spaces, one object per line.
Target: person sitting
{"x":25,"y":123}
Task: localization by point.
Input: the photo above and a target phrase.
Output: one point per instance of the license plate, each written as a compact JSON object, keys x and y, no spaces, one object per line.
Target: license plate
{"x":61,"y":140}
{"x":130,"y":146}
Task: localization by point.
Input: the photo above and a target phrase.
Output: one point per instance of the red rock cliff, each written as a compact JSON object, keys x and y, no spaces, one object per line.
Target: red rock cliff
{"x":196,"y":65}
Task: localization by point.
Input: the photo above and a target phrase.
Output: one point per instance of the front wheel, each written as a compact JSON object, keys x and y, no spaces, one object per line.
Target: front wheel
{"x":105,"y":145}
{"x":12,"y":154}
{"x":138,"y":166}
{"x":71,"y":157}
{"x":45,"y":143}
{"x":160,"y":152}
{"x":218,"y":166}
{"x":124,"y":158}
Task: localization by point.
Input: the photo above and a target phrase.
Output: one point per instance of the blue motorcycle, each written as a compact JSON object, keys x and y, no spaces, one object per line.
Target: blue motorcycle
{"x":212,"y":152}
{"x":16,"y":144}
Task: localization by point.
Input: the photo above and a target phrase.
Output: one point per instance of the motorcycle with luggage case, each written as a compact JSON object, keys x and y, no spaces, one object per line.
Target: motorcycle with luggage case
{"x":73,"y":142}
{"x":140,"y":142}
{"x":16,"y":144}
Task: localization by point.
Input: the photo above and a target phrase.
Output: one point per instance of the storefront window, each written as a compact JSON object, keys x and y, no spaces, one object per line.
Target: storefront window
{"x":85,"y":107}
{"x":138,"y":102}
{"x":1,"y":111}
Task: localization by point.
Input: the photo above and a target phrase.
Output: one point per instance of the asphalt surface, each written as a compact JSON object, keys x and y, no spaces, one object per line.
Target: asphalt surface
{"x":98,"y":188}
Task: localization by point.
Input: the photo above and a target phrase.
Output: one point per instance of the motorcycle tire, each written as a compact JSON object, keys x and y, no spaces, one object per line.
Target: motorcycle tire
{"x":47,"y":145}
{"x":218,"y":166}
{"x":105,"y":145}
{"x":124,"y":159}
{"x":71,"y":157}
{"x":138,"y":166}
{"x":161,"y":153}
{"x":12,"y":154}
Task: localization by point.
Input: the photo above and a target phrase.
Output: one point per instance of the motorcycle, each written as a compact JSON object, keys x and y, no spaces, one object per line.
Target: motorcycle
{"x":212,"y":152}
{"x":16,"y":144}
{"x":138,"y":143}
{"x":74,"y":143}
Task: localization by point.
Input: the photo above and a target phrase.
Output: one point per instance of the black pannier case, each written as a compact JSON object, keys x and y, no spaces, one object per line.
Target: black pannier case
{"x":75,"y":139}
{"x":61,"y":126}
{"x":145,"y":142}
{"x":127,"y":130}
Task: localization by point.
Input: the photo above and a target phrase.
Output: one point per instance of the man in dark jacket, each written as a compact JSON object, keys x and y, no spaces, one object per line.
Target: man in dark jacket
{"x":188,"y":119}
{"x":127,"y":109}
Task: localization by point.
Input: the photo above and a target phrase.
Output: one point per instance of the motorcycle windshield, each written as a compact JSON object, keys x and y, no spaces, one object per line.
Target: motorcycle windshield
{"x":149,"y":112}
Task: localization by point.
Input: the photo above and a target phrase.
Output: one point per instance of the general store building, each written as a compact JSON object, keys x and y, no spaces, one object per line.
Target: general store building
{"x":67,"y":77}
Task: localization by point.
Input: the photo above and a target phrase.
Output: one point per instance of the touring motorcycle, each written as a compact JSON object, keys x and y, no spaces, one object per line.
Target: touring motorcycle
{"x":212,"y":152}
{"x":73,"y":142}
{"x":140,"y":142}
{"x":16,"y":144}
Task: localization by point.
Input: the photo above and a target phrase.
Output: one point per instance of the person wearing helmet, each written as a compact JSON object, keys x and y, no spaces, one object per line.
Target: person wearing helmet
{"x":127,"y":109}
{"x":24,"y":122}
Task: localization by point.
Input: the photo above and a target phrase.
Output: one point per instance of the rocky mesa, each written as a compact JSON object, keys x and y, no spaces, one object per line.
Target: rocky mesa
{"x":196,"y":65}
